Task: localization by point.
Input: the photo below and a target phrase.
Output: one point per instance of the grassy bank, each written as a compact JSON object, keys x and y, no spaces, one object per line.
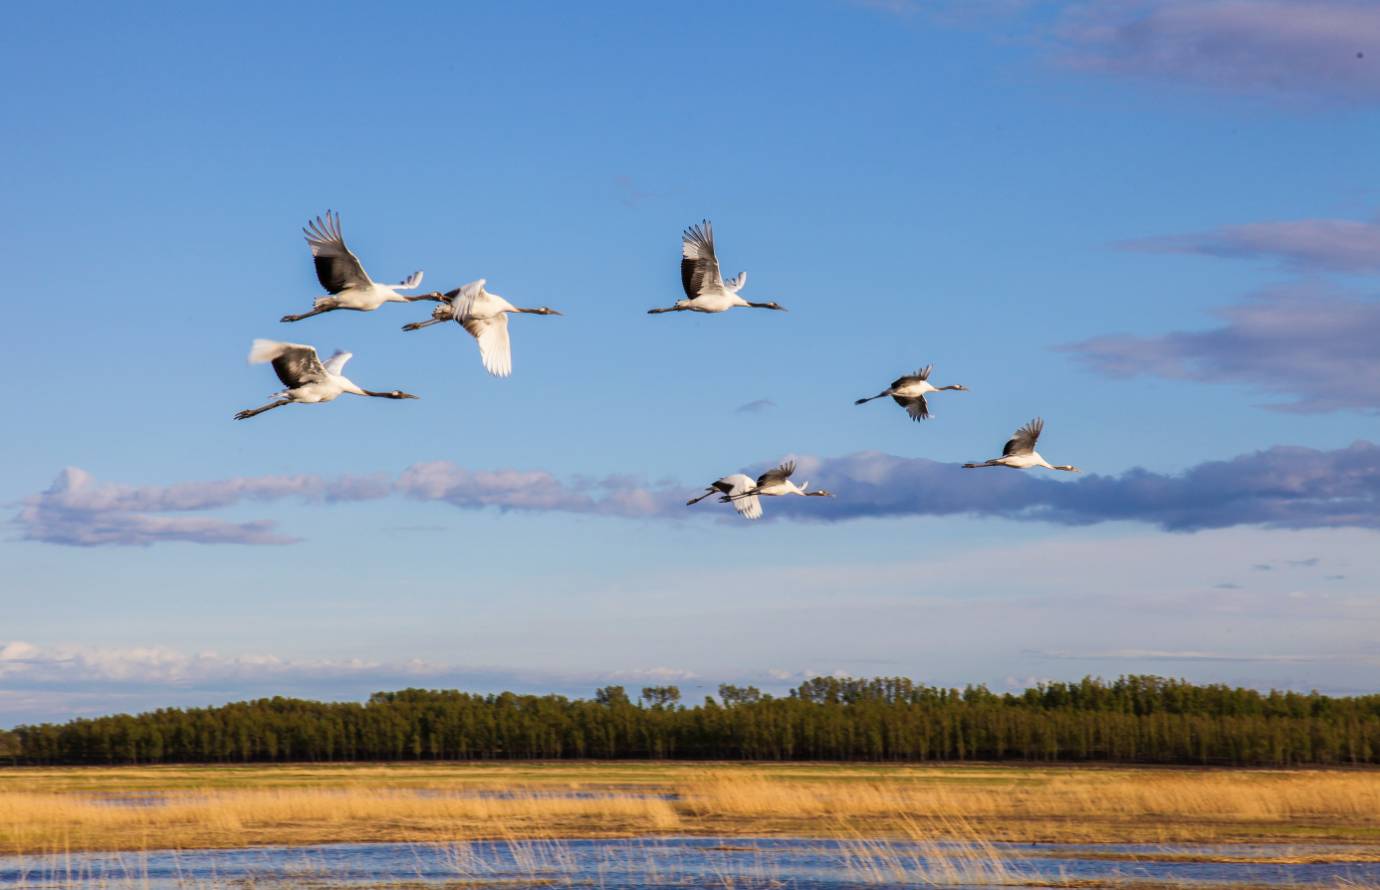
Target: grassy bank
{"x":184,"y":807}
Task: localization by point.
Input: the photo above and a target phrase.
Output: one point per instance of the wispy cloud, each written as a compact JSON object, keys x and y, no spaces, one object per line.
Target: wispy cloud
{"x":1282,"y":487}
{"x":43,"y":682}
{"x":1311,"y":342}
{"x":1318,"y":49}
{"x":1287,"y":49}
{"x":630,"y":195}
{"x":660,"y":674}
{"x":1180,"y":655}
{"x":958,"y":12}
{"x":78,"y":510}
{"x":757,"y":406}
{"x":24,"y":665}
{"x":22,"y":662}
{"x":1343,"y":245}
{"x":533,"y":490}
{"x":1306,"y":563}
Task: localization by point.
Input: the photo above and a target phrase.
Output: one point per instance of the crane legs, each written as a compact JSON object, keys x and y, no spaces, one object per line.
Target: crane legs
{"x":250,"y":412}
{"x":418,"y":325}
{"x":307,"y":314}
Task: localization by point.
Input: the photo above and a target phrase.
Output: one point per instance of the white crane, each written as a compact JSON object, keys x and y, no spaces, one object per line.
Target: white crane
{"x":1019,"y":452}
{"x":305,"y":379}
{"x":485,"y":316}
{"x":909,"y":392}
{"x":748,"y":506}
{"x":705,"y":288}
{"x":777,"y":482}
{"x":344,"y":278}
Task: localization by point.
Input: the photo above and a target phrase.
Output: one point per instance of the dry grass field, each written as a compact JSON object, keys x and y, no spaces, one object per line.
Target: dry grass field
{"x":46,"y":810}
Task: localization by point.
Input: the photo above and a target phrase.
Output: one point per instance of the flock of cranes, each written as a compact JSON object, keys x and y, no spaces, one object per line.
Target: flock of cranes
{"x":484,"y":315}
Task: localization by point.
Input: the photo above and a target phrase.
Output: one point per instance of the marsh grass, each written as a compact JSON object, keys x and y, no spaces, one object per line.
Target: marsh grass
{"x":42,"y":811}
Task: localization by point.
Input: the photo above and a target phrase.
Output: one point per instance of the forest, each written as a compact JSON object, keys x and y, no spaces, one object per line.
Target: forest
{"x":1134,"y":719}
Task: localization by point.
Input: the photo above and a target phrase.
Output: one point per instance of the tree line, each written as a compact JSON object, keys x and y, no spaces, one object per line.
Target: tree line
{"x":1134,"y":719}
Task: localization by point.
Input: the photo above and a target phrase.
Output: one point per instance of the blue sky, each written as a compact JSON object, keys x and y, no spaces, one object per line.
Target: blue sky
{"x":1152,"y":223}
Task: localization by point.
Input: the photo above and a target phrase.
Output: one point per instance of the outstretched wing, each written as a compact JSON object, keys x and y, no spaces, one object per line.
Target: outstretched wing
{"x":336,"y":267}
{"x":699,"y":268}
{"x":780,"y":474}
{"x":336,"y":363}
{"x":915,"y":406}
{"x":919,"y":376}
{"x":463,"y":297}
{"x":494,"y":350}
{"x":736,"y":283}
{"x":749,"y":507}
{"x":1023,"y":442}
{"x":411,"y":281}
{"x":295,"y":363}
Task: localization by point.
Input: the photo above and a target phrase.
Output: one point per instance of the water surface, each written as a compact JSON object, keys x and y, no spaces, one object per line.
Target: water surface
{"x":737,"y":862}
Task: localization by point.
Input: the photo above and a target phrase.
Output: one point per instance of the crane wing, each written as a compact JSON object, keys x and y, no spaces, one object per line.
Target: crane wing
{"x":699,"y":267}
{"x":919,"y":376}
{"x":336,"y":267}
{"x":494,"y":349}
{"x":462,"y":298}
{"x":736,"y":283}
{"x":749,"y":507}
{"x":1023,"y":442}
{"x":915,"y":406}
{"x":336,"y":363}
{"x":780,"y":474}
{"x":294,"y":363}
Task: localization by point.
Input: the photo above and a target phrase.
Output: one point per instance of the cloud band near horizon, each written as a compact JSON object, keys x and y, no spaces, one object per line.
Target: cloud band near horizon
{"x":1280,"y":487}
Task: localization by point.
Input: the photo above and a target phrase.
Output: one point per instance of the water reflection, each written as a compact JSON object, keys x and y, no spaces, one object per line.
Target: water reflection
{"x":686,"y":862}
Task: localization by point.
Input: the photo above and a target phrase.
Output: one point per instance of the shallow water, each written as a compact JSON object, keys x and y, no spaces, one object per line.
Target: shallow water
{"x":681,"y":862}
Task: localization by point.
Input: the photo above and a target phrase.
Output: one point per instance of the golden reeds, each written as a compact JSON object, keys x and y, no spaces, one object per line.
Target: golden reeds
{"x":1231,"y":795}
{"x":43,"y":811}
